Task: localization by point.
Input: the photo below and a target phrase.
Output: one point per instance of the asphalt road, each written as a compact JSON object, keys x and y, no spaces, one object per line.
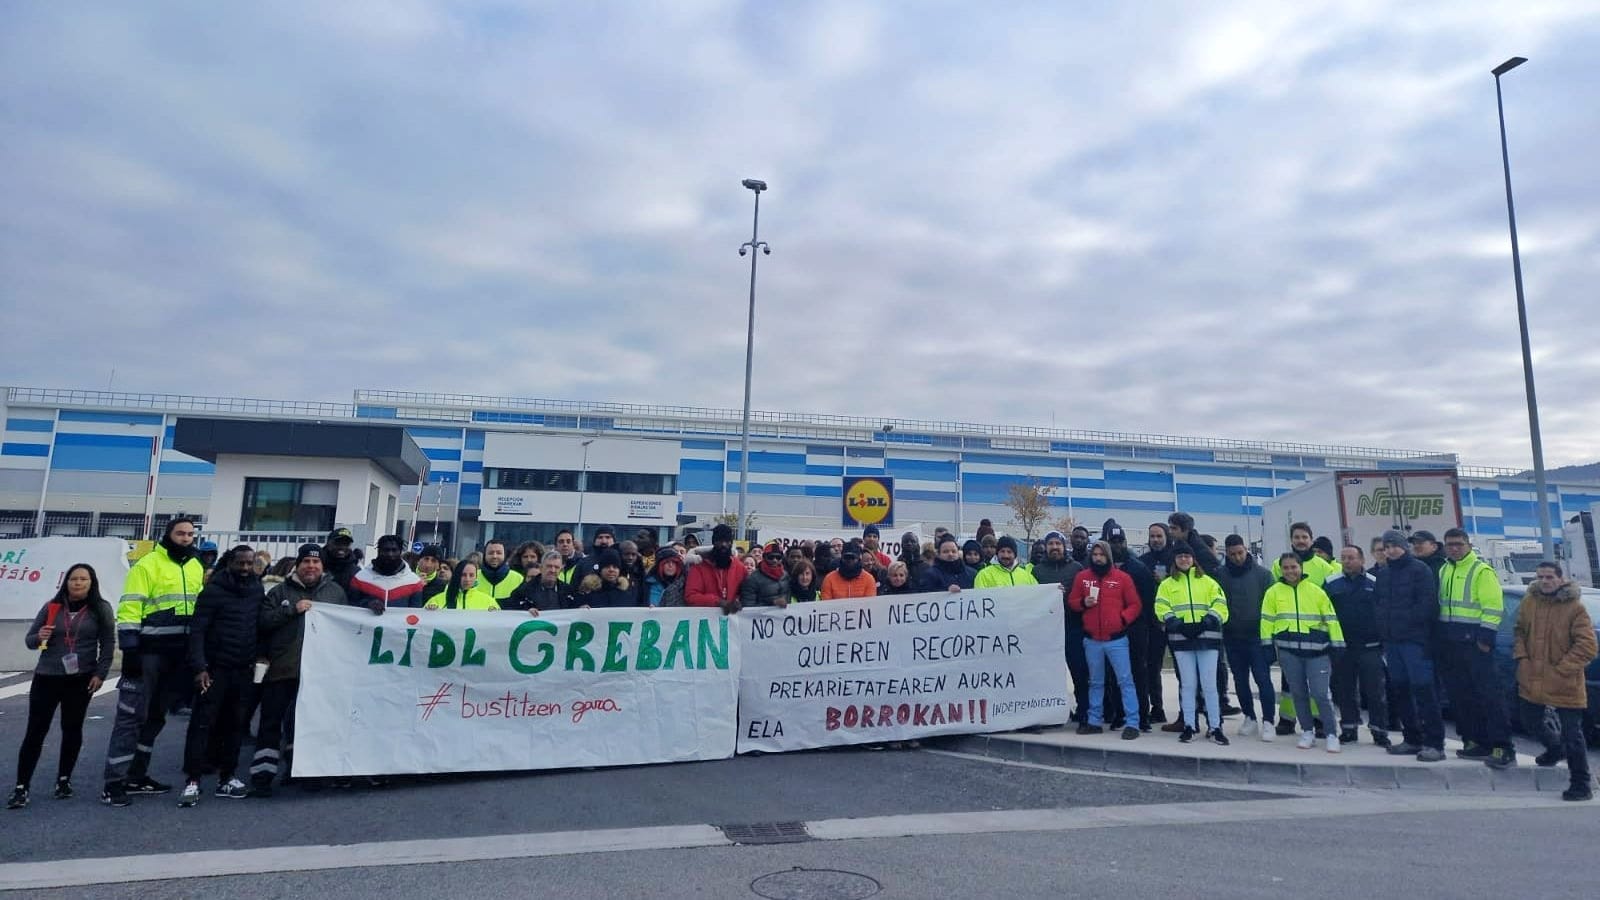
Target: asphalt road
{"x":744,"y":790}
{"x":914,"y":824}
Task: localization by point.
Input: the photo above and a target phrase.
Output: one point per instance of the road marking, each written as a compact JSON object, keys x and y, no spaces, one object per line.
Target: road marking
{"x":17,"y":690}
{"x":60,"y":873}
{"x":1202,"y":813}
{"x":207,"y":863}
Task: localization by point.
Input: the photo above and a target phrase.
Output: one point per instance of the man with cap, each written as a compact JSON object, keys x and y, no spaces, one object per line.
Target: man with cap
{"x":715,"y":579}
{"x":871,"y":542}
{"x":1140,"y":634}
{"x":387,"y":580}
{"x":1059,"y":569}
{"x":339,"y":557}
{"x":428,"y":563}
{"x":604,"y":539}
{"x":1407,"y":603}
{"x":768,"y":585}
{"x":1425,"y":547}
{"x":1006,"y":570}
{"x":282,"y":633}
{"x":851,"y":579}
{"x":949,"y":572}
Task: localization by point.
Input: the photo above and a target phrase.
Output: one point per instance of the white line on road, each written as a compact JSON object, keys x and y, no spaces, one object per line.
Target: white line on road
{"x":206,"y":863}
{"x":209,"y":863}
{"x":17,"y":690}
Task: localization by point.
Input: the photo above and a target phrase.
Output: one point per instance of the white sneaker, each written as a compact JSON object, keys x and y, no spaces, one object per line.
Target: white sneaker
{"x":1267,"y":734}
{"x":1333,"y":744}
{"x":190,"y":795}
{"x":1308,"y":739}
{"x":1248,"y":728}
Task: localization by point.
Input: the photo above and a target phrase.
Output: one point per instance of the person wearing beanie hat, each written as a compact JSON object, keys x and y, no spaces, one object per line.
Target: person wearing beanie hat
{"x":1323,"y":547}
{"x":949,"y":572}
{"x":1107,"y":604}
{"x":281,"y":627}
{"x":851,"y":579}
{"x":664,"y":582}
{"x":872,"y":542}
{"x":715,"y":580}
{"x":1059,"y":568}
{"x":1006,"y":570}
{"x":768,"y":585}
{"x":615,"y":590}
{"x":972,"y":555}
{"x":1192,"y":609}
{"x":1407,"y":601}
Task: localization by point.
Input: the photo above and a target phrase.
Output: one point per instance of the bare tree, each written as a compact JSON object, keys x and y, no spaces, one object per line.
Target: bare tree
{"x":1065,"y":524}
{"x":1029,"y":502}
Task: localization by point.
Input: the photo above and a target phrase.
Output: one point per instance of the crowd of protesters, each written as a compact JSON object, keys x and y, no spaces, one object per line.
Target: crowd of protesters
{"x":1348,"y":634}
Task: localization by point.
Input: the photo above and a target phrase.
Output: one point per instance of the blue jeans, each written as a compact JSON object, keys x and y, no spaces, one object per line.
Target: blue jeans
{"x":1411,"y":673}
{"x":1115,"y":652}
{"x":1250,"y":659}
{"x":1197,"y":674}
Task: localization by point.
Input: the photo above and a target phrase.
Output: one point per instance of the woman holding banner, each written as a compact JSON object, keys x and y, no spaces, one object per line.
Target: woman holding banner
{"x":75,"y":634}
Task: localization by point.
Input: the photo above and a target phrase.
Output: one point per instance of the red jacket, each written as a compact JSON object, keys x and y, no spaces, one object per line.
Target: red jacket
{"x":1110,"y":618}
{"x":708,"y":585}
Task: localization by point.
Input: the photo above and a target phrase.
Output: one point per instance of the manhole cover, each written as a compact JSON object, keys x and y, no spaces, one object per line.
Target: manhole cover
{"x":767,"y":833}
{"x":815,"y":884}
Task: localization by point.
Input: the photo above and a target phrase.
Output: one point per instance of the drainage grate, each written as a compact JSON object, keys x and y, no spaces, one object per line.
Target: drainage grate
{"x":767,"y":833}
{"x":815,"y":884}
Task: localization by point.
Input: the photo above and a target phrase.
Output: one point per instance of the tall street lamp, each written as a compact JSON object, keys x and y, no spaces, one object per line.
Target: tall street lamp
{"x":583,"y":485}
{"x":748,"y":248}
{"x":1546,"y":535}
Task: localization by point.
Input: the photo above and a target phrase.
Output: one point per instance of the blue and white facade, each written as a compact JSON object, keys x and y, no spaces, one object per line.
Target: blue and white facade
{"x":88,"y":462}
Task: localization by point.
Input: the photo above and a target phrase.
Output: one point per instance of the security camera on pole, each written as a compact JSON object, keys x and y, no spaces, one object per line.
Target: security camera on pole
{"x":749,"y":348}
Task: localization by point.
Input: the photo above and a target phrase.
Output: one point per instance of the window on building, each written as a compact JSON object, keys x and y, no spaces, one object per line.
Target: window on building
{"x":533,"y":479}
{"x":631,"y":483}
{"x":288,"y":504}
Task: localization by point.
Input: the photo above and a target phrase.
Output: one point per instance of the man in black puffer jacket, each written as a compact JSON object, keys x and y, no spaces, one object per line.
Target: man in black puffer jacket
{"x":1408,"y":609}
{"x":222,"y":651}
{"x":768,"y":585}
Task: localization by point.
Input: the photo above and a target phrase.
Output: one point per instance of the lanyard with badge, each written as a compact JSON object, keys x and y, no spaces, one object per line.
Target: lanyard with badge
{"x":69,"y":633}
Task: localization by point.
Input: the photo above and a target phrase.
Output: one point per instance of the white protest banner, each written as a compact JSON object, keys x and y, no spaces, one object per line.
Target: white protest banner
{"x":896,"y":668}
{"x":31,"y":570}
{"x":416,"y":691}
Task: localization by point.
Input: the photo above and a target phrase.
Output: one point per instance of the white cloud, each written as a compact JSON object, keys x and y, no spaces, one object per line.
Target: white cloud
{"x":1249,"y":220}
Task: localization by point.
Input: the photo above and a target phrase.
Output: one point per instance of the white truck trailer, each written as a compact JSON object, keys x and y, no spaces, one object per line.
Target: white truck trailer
{"x":1353,"y":507}
{"x":1580,"y":548}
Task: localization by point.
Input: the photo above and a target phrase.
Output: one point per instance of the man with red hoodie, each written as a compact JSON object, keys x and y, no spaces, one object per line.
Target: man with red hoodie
{"x":1109,"y":601}
{"x":715,"y":579}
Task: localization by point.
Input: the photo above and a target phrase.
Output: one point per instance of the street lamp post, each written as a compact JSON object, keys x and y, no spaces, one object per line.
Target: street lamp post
{"x":583,"y":485}
{"x":1546,"y":535}
{"x":749,"y":248}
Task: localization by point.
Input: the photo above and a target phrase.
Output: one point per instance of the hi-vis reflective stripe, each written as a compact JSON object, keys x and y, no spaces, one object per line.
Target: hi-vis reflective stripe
{"x":163,"y":629}
{"x":1464,"y":610}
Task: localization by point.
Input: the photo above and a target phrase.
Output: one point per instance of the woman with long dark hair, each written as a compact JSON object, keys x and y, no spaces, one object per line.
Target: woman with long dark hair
{"x":75,"y":634}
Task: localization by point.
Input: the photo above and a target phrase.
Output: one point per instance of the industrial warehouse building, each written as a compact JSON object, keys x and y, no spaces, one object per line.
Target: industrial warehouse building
{"x":104,"y":463}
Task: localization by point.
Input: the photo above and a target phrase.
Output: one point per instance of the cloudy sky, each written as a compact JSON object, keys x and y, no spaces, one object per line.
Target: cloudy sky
{"x":1277,"y":221}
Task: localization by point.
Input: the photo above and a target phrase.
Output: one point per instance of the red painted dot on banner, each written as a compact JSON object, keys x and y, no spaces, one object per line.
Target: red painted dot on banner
{"x":411,"y":620}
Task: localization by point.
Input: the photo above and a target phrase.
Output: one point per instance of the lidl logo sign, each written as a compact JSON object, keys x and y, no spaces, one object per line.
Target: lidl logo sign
{"x":868,"y":501}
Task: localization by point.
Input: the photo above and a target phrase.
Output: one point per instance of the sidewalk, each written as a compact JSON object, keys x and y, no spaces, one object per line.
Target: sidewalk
{"x":1249,"y":760}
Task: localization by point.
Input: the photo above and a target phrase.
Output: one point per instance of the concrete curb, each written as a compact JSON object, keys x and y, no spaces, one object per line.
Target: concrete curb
{"x":1466,"y":779}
